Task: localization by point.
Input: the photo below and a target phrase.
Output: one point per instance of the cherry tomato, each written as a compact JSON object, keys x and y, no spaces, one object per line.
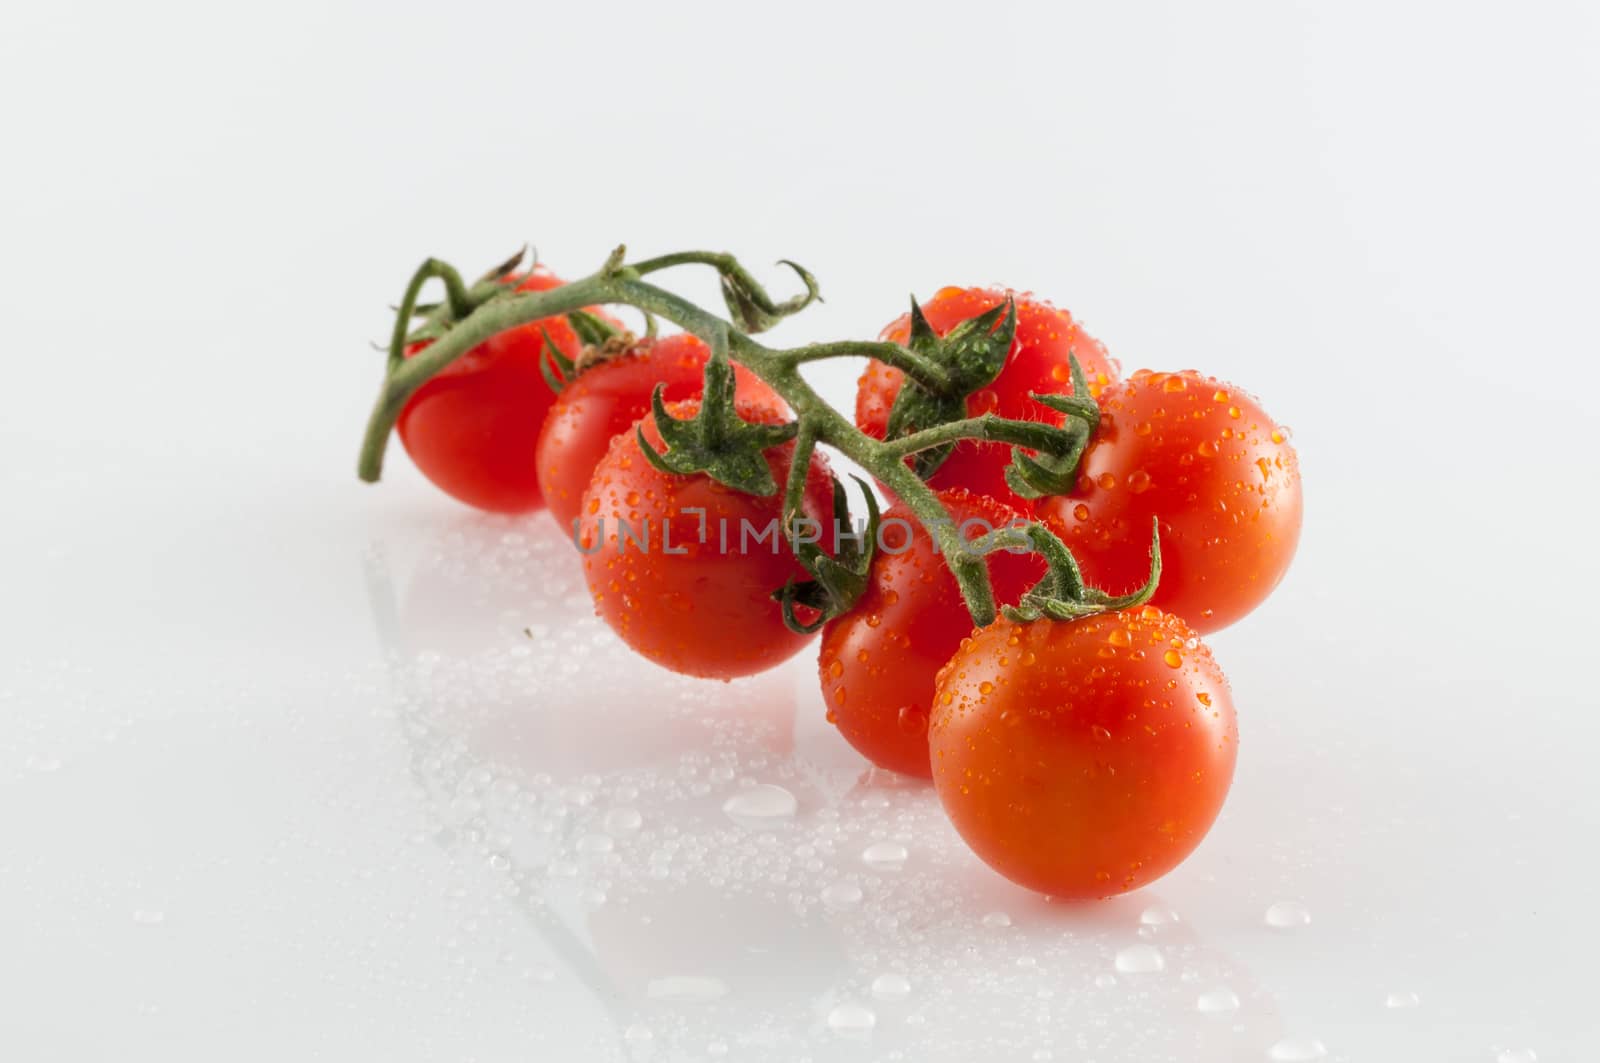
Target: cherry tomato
{"x":608,"y":398}
{"x":1219,"y":473}
{"x":472,"y":429}
{"x":879,"y":660}
{"x":1083,"y":759}
{"x":683,"y":567}
{"x":1037,"y":362}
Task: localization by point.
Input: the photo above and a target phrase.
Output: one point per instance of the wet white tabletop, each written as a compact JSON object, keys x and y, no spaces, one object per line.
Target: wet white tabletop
{"x":295,"y":768}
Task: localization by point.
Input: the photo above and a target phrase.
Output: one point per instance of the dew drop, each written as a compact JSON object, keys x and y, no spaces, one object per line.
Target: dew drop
{"x":885,"y":856}
{"x":595,"y":844}
{"x":1287,"y":915}
{"x":622,"y":820}
{"x":761,"y":806}
{"x":1140,"y":959}
{"x":891,"y":987}
{"x":841,"y":895}
{"x":1216,"y":1001}
{"x":1297,"y":1050}
{"x":851,"y":1018}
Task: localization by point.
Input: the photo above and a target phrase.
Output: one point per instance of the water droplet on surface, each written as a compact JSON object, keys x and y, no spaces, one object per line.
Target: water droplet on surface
{"x":885,"y":856}
{"x":761,"y":806}
{"x":891,"y":987}
{"x":841,"y":895}
{"x":637,"y":1035}
{"x":1402,"y":1000}
{"x":997,"y":919}
{"x":622,"y":820}
{"x":1104,"y":980}
{"x":1140,"y":959}
{"x":851,"y":1018}
{"x":1156,"y":915}
{"x":145,"y":917}
{"x":596,"y":843}
{"x":1517,"y":1055}
{"x":686,"y":989}
{"x":1217,"y":1001}
{"x":1297,"y":1050}
{"x":1286,"y":915}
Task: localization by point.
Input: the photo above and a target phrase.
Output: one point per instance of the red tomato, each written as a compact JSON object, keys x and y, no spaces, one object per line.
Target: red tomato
{"x":610,"y":397}
{"x":1083,"y":759}
{"x":1221,"y":475}
{"x":879,"y":660}
{"x":473,"y":428}
{"x":1037,"y":363}
{"x":683,"y":568}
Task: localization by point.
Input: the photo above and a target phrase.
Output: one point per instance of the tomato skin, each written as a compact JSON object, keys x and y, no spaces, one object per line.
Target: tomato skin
{"x":1083,"y":759}
{"x":708,"y":611}
{"x":878,"y":661}
{"x":1037,"y":362}
{"x":1220,"y":474}
{"x":608,"y":398}
{"x":472,"y":429}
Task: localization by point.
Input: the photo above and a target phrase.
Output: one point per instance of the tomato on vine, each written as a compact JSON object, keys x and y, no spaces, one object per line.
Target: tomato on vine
{"x":1219,"y":473}
{"x":607,"y":398}
{"x":472,"y":429}
{"x":1086,"y":758}
{"x":684,"y":567}
{"x":1038,"y":362}
{"x":878,"y":661}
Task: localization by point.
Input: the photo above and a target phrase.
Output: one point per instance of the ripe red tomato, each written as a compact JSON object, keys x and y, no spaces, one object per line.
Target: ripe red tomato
{"x":879,"y":660}
{"x":1219,"y":473}
{"x":472,"y":429}
{"x":1037,"y":362}
{"x":610,"y":397}
{"x":683,"y":567}
{"x":1083,"y":759}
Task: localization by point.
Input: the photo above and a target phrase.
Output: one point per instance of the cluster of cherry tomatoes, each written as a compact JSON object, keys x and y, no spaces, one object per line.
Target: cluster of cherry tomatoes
{"x":1081,"y":757}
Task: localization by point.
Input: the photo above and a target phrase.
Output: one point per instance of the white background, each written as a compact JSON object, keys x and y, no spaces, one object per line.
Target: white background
{"x":252,"y":808}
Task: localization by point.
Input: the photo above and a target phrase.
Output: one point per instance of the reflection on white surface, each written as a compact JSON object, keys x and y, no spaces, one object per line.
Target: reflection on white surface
{"x":762,"y":898}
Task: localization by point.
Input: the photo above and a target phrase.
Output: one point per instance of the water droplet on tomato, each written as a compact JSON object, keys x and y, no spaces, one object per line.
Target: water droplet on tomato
{"x":1173,"y":658}
{"x":1138,"y":481}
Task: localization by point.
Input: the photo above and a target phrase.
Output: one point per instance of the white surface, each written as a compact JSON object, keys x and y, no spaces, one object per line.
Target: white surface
{"x":281,"y":777}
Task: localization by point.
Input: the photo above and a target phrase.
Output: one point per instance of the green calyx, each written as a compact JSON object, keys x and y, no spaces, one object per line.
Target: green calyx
{"x":602,"y":341}
{"x":1062,"y":594}
{"x":1053,"y":470}
{"x":971,"y":355}
{"x":716,"y":440}
{"x":838,"y":580}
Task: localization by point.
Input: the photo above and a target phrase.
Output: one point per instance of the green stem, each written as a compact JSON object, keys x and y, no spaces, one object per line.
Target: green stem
{"x":819,"y":422}
{"x":902,"y":358}
{"x":1031,"y":434}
